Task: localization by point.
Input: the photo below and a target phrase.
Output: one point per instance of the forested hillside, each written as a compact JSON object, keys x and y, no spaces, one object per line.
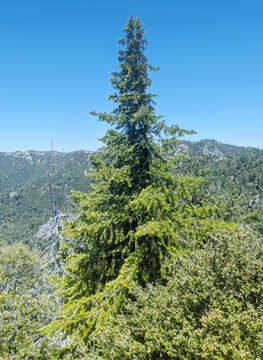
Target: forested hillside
{"x":159,"y":258}
{"x":25,"y":199}
{"x":234,"y":177}
{"x":28,"y":181}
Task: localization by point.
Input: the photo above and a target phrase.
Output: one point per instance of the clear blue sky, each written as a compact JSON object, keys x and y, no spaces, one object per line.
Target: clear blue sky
{"x":57,"y":55}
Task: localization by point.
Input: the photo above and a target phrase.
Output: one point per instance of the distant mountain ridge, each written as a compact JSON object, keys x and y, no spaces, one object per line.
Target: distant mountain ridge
{"x":21,"y":168}
{"x":26,"y":179}
{"x":213,"y":148}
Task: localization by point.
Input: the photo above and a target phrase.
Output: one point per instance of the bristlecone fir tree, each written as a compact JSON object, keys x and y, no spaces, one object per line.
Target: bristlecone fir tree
{"x":128,"y":223}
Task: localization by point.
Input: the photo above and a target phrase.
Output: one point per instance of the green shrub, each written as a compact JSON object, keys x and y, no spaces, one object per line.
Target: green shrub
{"x":210,"y":308}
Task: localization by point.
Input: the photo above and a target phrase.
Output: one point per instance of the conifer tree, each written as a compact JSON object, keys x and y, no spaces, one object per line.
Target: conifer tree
{"x":130,"y":162}
{"x":127,"y":222}
{"x":132,"y":143}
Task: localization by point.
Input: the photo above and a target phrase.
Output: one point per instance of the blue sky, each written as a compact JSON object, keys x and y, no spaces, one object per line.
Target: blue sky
{"x":57,"y":56}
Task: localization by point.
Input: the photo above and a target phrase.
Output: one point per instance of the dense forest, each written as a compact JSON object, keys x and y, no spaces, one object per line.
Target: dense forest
{"x":33,"y":186}
{"x":150,"y":248}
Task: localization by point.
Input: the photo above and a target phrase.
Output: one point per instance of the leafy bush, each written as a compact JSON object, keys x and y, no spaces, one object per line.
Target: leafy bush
{"x":210,"y":308}
{"x":26,"y":303}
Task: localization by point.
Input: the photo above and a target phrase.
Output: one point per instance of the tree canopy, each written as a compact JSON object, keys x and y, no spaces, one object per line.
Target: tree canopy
{"x":141,"y":231}
{"x":125,"y":227}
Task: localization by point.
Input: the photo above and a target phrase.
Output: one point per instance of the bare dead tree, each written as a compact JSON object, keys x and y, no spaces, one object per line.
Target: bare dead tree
{"x":51,"y":195}
{"x":53,"y":179}
{"x":65,"y":197}
{"x":51,"y":184}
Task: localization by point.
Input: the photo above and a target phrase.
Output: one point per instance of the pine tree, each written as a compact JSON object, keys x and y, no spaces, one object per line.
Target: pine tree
{"x":127,"y":222}
{"x":125,"y":166}
{"x":132,"y":143}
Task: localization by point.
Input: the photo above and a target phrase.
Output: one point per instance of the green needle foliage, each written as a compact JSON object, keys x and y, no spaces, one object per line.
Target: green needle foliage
{"x":132,"y":143}
{"x":138,"y":210}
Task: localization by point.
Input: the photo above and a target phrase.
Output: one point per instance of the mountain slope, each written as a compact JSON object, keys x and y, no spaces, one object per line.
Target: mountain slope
{"x":234,"y":174}
{"x":28,"y":181}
